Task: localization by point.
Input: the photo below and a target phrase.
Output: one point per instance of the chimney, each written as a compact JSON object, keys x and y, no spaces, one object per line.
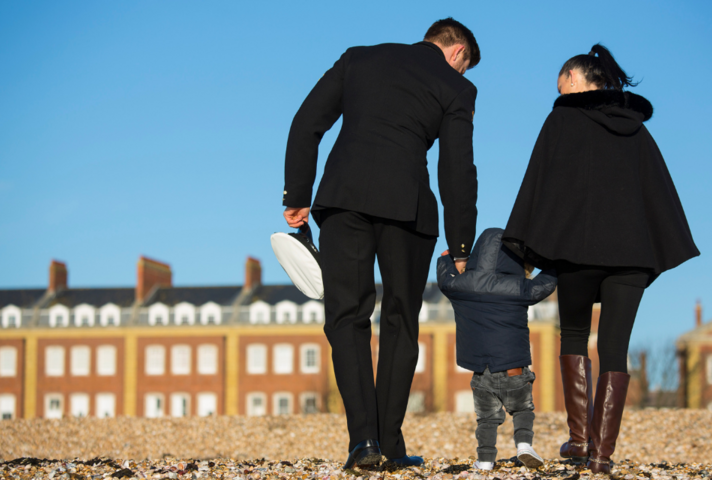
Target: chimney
{"x":151,"y":274}
{"x":253,"y":273}
{"x":698,"y":314}
{"x":57,"y":276}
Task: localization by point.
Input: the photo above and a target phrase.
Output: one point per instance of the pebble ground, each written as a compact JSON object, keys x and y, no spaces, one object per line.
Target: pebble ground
{"x":654,"y":444}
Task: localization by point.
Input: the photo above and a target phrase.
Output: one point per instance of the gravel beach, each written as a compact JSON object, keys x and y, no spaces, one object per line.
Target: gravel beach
{"x":674,"y":444}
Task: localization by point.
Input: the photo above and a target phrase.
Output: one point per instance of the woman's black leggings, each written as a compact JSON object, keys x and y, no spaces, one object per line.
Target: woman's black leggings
{"x":619,"y":290}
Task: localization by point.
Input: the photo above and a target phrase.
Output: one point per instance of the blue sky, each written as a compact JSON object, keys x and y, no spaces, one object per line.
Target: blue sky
{"x":158,"y":128}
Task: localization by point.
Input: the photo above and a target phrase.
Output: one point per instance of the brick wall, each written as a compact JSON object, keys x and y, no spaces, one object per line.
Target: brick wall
{"x":68,"y":384}
{"x":13,"y":384}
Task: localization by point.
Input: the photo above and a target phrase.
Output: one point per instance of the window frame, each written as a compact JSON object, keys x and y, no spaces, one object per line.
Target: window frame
{"x":154,"y":395}
{"x":250,"y":368}
{"x":303,"y":357}
{"x":74,"y":399}
{"x":156,"y":311}
{"x":11,"y":310}
{"x":97,"y":403}
{"x":182,"y":396}
{"x":102,"y":350}
{"x":74,"y":358}
{"x":249,"y":408}
{"x":58,"y":310}
{"x":154,"y":371}
{"x":184,"y":309}
{"x":303,"y":400}
{"x":185,"y":369}
{"x":205,"y":395}
{"x":108,"y":310}
{"x":278,"y":369}
{"x":201,"y":362}
{"x":422,"y":362}
{"x":9,"y":369}
{"x":13,"y":401}
{"x":276,"y":397}
{"x":56,"y":367}
{"x":84,"y":310}
{"x":48,"y":402}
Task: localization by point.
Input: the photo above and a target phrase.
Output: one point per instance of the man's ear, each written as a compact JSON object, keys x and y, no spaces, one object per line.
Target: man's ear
{"x":573,"y":77}
{"x":457,"y":52}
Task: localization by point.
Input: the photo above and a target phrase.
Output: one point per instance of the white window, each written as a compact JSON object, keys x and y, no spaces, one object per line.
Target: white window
{"x":313,"y":312}
{"x":58,"y":316}
{"x":464,"y":403}
{"x":259,"y":312}
{"x":154,"y":405}
{"x":180,"y":405}
{"x":531,"y":352}
{"x":110,"y":315}
{"x":282,"y":403}
{"x":180,"y":359}
{"x":256,"y":404}
{"x":54,"y":361}
{"x":286,"y":312}
{"x":458,"y":368}
{"x":7,"y":406}
{"x":158,"y":314}
{"x":420,"y":366}
{"x":423,"y":314}
{"x":79,"y":404}
{"x":184,"y":313}
{"x":11,"y":317}
{"x":309,"y":402}
{"x":207,"y":359}
{"x":709,"y":369}
{"x":416,"y":402}
{"x":84,"y":315}
{"x":310,"y":354}
{"x":256,"y":358}
{"x":207,"y":404}
{"x":155,"y":360}
{"x":210,"y":313}
{"x":8,"y":361}
{"x":283,"y":358}
{"x":54,"y":405}
{"x":80,"y":360}
{"x":106,"y":360}
{"x":105,"y":405}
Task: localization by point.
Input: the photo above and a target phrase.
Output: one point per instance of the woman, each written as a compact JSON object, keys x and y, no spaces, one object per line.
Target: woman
{"x":597,"y":203}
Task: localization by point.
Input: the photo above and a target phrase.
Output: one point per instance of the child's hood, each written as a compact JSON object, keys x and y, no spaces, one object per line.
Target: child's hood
{"x":489,"y":255}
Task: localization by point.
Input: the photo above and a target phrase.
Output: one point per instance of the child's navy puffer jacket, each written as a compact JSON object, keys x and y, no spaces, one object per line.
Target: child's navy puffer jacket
{"x":490,"y":301}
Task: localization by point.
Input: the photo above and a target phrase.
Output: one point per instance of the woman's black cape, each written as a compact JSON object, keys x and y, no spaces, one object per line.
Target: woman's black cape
{"x":597,"y":190}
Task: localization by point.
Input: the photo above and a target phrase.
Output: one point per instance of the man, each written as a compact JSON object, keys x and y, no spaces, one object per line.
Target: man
{"x":374,"y":200}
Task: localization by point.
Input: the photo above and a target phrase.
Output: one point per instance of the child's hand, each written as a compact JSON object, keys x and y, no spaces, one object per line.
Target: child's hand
{"x":460,"y":265}
{"x":446,"y":252}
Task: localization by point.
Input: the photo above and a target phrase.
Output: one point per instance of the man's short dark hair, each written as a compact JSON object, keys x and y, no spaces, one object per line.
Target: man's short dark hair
{"x":447,"y":32}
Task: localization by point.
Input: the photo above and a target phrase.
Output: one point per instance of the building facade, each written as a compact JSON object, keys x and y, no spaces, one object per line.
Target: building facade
{"x":694,"y":351}
{"x":158,"y":350}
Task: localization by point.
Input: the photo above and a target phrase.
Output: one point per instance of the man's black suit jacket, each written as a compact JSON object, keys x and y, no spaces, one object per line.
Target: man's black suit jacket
{"x":396,"y":100}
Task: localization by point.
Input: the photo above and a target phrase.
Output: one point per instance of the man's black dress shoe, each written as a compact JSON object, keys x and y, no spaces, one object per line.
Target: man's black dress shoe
{"x":367,"y":452}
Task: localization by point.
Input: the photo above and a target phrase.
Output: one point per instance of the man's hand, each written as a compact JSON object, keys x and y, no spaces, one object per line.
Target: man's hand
{"x":459,"y":264}
{"x":296,"y":217}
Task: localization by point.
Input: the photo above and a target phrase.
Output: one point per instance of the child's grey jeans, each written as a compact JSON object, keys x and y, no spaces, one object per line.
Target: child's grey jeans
{"x":492,"y":392}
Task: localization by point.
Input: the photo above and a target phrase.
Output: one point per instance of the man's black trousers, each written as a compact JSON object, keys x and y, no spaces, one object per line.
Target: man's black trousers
{"x":349,"y":243}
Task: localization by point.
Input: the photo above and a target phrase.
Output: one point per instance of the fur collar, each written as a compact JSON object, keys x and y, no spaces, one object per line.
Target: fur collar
{"x":597,"y":99}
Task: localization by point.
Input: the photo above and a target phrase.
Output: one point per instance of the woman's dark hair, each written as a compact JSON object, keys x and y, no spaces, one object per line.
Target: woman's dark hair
{"x":600,"y":68}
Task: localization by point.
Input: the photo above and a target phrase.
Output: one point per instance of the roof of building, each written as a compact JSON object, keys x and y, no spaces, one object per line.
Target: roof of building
{"x":274,"y":294}
{"x":23,"y":298}
{"x":97,"y":297}
{"x":170,"y":296}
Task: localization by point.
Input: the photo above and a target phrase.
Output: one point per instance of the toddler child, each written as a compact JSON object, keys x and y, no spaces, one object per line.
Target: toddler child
{"x":491,"y":299}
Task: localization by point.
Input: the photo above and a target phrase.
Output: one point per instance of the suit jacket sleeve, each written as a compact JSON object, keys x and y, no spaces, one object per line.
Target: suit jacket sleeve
{"x":457,"y":175}
{"x":322,"y":107}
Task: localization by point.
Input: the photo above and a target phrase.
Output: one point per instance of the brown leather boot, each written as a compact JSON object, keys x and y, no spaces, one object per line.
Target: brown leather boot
{"x":578,"y":398}
{"x":611,"y":391}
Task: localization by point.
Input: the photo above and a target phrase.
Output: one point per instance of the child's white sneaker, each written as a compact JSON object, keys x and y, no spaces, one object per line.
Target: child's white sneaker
{"x":527,"y":455}
{"x":484,"y":465}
